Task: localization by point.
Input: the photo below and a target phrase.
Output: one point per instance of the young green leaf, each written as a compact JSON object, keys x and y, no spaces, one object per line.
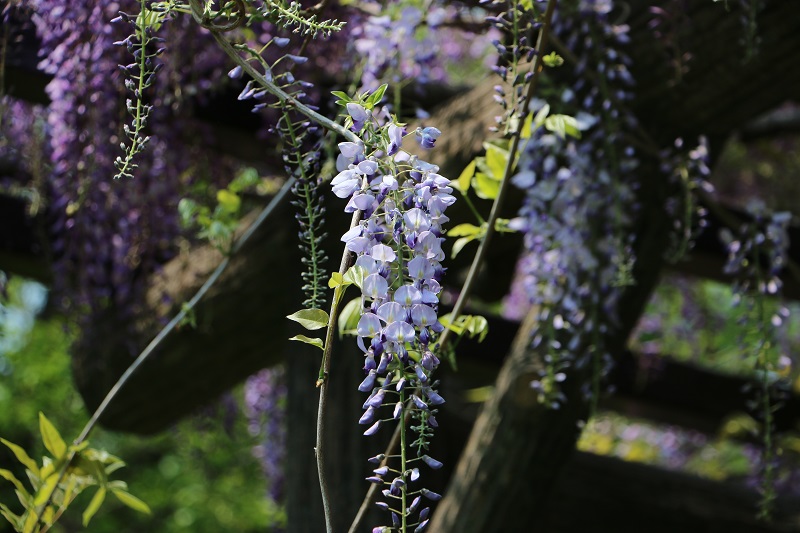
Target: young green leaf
{"x":335,"y":281}
{"x":11,"y":517}
{"x":94,"y":505}
{"x":375,"y":98}
{"x":343,"y":98}
{"x":496,"y":160}
{"x":314,"y":342}
{"x":311,"y":319}
{"x":131,"y":501}
{"x":356,"y":275}
{"x":51,"y":438}
{"x":6,"y":474}
{"x":563,"y":125}
{"x":466,"y":230}
{"x":553,"y":60}
{"x":534,"y":122}
{"x":485,"y":186}
{"x":459,"y":244}
{"x":463,"y":181}
{"x":45,"y":491}
{"x":22,"y":456}
{"x":348,"y":318}
{"x":229,"y":201}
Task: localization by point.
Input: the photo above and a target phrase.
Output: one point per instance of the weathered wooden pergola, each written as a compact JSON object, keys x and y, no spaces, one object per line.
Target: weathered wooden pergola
{"x":516,"y":469}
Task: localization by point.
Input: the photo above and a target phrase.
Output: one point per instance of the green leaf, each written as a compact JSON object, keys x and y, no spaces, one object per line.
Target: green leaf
{"x":336,"y":280}
{"x":344,"y":98}
{"x":30,"y":522}
{"x":310,"y":319}
{"x":132,"y":501}
{"x":375,"y":98}
{"x":51,"y":438}
{"x":94,"y":505}
{"x":485,"y":186}
{"x":44,"y":492}
{"x":466,"y":230}
{"x":229,"y":201}
{"x":459,"y":244}
{"x":553,"y":60}
{"x":445,"y":320}
{"x":356,"y":275}
{"x":563,"y":125}
{"x":12,"y":478}
{"x":22,"y":456}
{"x":477,"y":326}
{"x":463,"y":181}
{"x":11,"y":517}
{"x":314,"y":342}
{"x":534,"y":122}
{"x":496,"y":161}
{"x":348,"y":318}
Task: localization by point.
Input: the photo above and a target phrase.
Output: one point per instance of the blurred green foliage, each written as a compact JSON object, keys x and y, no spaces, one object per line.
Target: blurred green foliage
{"x":200,"y":476}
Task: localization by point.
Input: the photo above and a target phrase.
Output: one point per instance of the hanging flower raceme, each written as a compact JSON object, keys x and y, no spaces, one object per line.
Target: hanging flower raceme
{"x":398,"y":248}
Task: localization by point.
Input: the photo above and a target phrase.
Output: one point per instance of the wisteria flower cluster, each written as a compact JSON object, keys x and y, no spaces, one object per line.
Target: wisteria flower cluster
{"x":398,"y":248}
{"x":756,"y":258}
{"x":578,"y":254}
{"x":689,"y":171}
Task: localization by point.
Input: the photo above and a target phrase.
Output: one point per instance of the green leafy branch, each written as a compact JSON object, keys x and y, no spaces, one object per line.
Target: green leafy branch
{"x":218,"y":225}
{"x":53,"y":491}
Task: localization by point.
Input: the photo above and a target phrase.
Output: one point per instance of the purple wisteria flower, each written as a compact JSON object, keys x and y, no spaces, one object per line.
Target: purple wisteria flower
{"x":398,"y":249}
{"x":427,"y":136}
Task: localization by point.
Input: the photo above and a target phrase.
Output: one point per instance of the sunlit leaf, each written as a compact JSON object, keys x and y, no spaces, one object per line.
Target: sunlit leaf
{"x":496,"y":161}
{"x":6,"y":474}
{"x":94,"y":505}
{"x":11,"y":517}
{"x":310,"y":319}
{"x":46,"y":490}
{"x":308,"y":340}
{"x":229,"y":201}
{"x":51,"y":438}
{"x":336,"y":280}
{"x":31,"y":522}
{"x":459,"y":244}
{"x":131,"y":501}
{"x":22,"y":456}
{"x":485,"y":186}
{"x":563,"y":125}
{"x":348,"y":318}
{"x":375,"y":98}
{"x":465,"y":230}
{"x":463,"y":181}
{"x":356,"y":275}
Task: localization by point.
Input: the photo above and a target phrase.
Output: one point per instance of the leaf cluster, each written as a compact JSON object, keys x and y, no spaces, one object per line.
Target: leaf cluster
{"x":217,"y":225}
{"x":55,"y":484}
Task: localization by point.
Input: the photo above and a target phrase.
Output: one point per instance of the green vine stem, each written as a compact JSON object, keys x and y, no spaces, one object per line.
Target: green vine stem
{"x":159,"y":338}
{"x":282,"y":96}
{"x":322,"y":382}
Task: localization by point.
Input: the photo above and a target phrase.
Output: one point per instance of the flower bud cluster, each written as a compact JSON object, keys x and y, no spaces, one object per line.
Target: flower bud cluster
{"x":398,"y":248}
{"x":144,"y":48}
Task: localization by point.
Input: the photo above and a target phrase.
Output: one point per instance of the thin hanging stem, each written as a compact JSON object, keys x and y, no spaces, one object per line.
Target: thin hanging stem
{"x":322,"y":383}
